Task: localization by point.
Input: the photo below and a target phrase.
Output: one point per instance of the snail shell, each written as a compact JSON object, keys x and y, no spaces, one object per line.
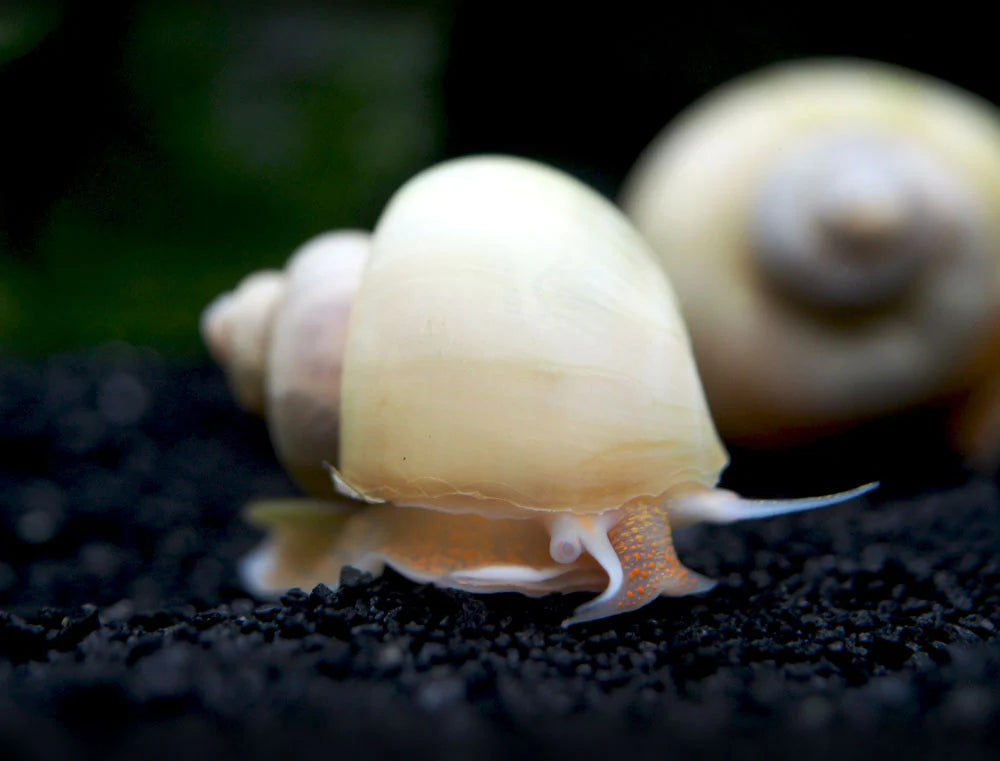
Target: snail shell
{"x":833,"y":231}
{"x":519,"y":405}
{"x":506,"y":357}
{"x":280,"y":338}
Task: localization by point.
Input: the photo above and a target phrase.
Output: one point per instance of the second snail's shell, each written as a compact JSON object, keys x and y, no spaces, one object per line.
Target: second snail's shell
{"x":833,"y":231}
{"x":514,"y":346}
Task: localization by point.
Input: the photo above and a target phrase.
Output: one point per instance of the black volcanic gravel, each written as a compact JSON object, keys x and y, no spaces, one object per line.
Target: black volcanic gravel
{"x":863,"y":631}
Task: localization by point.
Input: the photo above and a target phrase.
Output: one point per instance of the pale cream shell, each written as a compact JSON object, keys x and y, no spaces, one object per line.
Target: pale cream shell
{"x":514,"y":346}
{"x":279,"y":336}
{"x":236,"y":329}
{"x":305,"y":356}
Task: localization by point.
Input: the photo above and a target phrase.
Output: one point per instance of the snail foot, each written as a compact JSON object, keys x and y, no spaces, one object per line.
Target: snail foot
{"x":638,"y":555}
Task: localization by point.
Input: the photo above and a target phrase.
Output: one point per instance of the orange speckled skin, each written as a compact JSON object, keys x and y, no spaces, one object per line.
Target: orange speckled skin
{"x":644,"y":544}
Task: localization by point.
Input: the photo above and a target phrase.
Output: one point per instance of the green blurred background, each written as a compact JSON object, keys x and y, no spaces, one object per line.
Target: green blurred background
{"x":185,"y":145}
{"x":152,"y":153}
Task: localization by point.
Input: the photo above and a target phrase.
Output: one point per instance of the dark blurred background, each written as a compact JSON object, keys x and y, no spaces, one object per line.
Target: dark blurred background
{"x":152,"y":153}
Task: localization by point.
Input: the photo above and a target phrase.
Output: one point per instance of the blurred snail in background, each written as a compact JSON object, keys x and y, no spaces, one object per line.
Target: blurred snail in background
{"x":519,"y":408}
{"x":832,"y":228}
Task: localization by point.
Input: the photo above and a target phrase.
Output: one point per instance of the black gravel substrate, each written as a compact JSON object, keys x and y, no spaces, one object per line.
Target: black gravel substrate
{"x":863,"y":631}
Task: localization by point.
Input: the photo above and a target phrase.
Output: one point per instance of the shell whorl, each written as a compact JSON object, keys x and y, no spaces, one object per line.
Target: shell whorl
{"x":306,"y":355}
{"x":515,"y":347}
{"x":279,"y":336}
{"x":853,"y":219}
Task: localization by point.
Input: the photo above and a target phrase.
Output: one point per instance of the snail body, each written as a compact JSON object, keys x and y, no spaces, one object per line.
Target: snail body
{"x":832,"y":228}
{"x":519,"y":407}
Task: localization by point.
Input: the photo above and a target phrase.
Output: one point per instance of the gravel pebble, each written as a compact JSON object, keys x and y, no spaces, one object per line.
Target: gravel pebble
{"x":857,"y":631}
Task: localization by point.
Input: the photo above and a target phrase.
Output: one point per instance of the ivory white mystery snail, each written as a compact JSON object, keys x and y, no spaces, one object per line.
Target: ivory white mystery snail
{"x":519,"y":409}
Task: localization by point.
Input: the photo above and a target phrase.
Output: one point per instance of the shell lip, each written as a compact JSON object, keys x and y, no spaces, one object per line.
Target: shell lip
{"x":488,"y":507}
{"x":343,"y":486}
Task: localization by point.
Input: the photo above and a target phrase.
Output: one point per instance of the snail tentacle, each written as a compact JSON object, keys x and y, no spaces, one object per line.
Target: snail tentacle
{"x":723,"y":506}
